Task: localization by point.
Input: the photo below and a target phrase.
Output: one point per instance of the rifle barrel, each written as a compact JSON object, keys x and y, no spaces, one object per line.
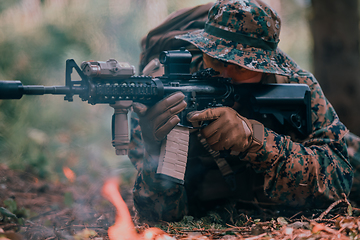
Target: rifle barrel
{"x":15,"y":90}
{"x":41,"y":90}
{"x":199,"y":89}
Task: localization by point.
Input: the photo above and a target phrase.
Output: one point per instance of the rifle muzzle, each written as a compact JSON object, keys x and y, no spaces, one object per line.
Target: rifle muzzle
{"x":11,"y":90}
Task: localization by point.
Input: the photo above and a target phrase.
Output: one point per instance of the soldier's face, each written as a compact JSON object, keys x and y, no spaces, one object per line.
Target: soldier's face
{"x":235,"y":72}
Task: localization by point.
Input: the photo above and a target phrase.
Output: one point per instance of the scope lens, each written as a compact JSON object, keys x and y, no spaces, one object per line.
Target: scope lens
{"x":163,"y":57}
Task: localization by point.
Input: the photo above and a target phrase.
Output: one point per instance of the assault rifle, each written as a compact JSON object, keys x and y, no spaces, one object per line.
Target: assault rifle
{"x":114,"y":83}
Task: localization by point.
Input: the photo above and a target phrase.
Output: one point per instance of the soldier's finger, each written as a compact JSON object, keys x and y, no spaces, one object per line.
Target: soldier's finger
{"x":139,"y":108}
{"x":167,"y":127}
{"x":207,"y":114}
{"x":165,"y":104}
{"x":164,"y":117}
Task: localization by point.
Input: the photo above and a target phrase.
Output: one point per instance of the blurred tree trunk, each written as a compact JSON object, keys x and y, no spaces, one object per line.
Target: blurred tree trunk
{"x":335,"y":29}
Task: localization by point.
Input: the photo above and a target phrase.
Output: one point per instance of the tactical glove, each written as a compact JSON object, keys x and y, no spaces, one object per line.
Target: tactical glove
{"x":157,"y":121}
{"x":228,"y":130}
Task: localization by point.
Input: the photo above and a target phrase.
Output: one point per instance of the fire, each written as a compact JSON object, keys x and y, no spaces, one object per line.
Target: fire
{"x":124,"y":228}
{"x":69,"y":174}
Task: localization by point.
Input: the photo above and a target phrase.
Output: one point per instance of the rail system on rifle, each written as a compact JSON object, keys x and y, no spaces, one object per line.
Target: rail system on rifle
{"x":114,"y":83}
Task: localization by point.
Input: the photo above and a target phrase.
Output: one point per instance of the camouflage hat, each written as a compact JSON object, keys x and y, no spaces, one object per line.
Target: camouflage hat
{"x":246,"y":33}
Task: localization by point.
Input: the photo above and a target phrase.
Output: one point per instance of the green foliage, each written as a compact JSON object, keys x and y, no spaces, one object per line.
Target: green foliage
{"x":212,"y":221}
{"x":68,"y":199}
{"x":350,"y":210}
{"x":7,"y":3}
{"x":11,"y":212}
{"x":41,"y":134}
{"x":10,"y":204}
{"x":6,"y":213}
{"x":85,"y":234}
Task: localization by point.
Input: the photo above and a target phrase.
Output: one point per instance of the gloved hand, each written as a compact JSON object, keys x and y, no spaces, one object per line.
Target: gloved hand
{"x":229,"y":130}
{"x":157,"y":121}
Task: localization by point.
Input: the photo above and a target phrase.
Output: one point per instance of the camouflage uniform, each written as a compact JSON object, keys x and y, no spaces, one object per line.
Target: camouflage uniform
{"x":353,"y":147}
{"x":287,"y":170}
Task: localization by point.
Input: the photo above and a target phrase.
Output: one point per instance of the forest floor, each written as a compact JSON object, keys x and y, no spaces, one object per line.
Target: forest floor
{"x":35,"y":209}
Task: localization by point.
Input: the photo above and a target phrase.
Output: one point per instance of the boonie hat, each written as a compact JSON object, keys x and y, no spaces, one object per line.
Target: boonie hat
{"x":162,"y":37}
{"x":245,"y":33}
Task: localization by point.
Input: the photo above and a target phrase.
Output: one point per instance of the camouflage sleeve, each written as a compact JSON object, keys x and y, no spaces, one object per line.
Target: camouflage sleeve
{"x":313,"y":172}
{"x":353,"y":146}
{"x":154,"y":198}
{"x":136,"y":146}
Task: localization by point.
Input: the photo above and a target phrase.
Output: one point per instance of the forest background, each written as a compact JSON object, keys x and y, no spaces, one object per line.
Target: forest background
{"x":42,"y":134}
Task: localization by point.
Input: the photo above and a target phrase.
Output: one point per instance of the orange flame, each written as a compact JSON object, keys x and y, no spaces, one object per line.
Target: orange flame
{"x":69,"y":174}
{"x":124,"y":228}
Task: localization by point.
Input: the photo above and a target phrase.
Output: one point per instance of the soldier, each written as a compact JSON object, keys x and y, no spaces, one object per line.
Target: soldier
{"x":162,"y":38}
{"x":240,"y":41}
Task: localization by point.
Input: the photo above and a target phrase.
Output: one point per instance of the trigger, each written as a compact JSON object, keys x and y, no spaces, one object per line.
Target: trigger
{"x":204,"y":124}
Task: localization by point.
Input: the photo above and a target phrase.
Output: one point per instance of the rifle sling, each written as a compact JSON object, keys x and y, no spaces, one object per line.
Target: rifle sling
{"x":221,"y":162}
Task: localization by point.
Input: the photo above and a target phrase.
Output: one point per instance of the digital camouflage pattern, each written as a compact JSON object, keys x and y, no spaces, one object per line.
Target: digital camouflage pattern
{"x":353,"y":143}
{"x":309,"y":173}
{"x":286,"y":171}
{"x":245,"y":33}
